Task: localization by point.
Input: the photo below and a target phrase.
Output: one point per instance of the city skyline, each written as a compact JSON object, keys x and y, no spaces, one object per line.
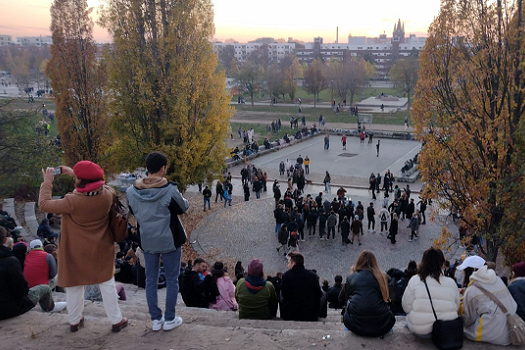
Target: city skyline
{"x":275,"y":19}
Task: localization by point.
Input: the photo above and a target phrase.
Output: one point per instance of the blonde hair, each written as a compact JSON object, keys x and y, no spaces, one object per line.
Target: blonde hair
{"x":367,"y":261}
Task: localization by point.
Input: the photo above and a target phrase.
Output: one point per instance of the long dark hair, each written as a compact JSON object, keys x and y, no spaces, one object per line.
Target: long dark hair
{"x":431,"y":264}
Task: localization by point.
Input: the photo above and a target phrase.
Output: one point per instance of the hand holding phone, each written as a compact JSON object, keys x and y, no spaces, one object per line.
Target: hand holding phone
{"x":57,"y":171}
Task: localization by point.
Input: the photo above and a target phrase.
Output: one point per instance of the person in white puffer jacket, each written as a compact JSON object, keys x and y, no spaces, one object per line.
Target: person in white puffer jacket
{"x":444,"y":291}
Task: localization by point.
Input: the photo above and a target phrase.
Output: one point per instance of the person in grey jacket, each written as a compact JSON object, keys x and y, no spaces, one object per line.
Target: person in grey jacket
{"x":156,"y":204}
{"x":331,"y":223}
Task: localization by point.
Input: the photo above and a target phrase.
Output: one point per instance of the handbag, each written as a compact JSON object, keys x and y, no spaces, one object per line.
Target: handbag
{"x":118,"y":221}
{"x":515,"y":323}
{"x":446,"y":335}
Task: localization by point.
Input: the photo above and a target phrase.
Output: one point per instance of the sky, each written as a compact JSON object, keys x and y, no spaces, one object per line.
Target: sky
{"x":248,"y":20}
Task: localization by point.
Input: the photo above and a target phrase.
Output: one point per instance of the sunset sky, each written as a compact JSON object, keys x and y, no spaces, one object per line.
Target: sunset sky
{"x":248,"y":20}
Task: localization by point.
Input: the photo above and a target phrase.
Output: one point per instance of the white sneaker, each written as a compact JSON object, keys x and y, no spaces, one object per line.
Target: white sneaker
{"x":59,"y":306}
{"x":157,"y":325}
{"x":169,"y":325}
{"x":410,"y":240}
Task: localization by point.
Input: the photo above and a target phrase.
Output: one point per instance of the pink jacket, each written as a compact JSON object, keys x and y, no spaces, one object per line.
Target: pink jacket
{"x":226,"y":298}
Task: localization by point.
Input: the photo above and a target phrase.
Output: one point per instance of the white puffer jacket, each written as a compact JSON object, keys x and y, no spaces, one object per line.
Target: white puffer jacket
{"x":445,"y":297}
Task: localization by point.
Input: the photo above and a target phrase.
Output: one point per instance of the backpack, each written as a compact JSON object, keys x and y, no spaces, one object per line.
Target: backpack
{"x":283,"y":236}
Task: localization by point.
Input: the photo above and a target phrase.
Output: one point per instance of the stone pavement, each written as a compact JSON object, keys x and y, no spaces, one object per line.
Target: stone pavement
{"x":247,"y":229}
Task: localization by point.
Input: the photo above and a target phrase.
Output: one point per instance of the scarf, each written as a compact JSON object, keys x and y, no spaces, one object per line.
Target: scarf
{"x":254,"y":284}
{"x":90,"y":187}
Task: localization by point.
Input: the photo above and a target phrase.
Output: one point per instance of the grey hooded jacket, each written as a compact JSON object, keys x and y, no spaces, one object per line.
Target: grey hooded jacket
{"x":156,"y":210}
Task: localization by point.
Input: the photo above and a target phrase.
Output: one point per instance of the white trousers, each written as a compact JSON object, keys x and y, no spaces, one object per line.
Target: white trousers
{"x":75,"y":302}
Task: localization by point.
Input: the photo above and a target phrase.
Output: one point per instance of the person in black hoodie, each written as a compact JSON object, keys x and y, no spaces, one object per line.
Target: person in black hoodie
{"x":333,"y":294}
{"x":300,"y":293}
{"x":15,"y":296}
{"x":193,"y":287}
{"x":367,"y":313}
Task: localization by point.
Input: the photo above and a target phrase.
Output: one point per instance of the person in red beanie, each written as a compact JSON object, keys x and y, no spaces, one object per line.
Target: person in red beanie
{"x":85,"y":236}
{"x":517,"y":287}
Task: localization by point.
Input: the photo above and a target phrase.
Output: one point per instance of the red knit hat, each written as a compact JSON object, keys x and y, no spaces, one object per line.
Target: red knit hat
{"x":87,"y":170}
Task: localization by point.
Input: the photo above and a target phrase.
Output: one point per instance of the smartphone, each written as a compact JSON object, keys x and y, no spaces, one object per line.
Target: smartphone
{"x":57,"y":171}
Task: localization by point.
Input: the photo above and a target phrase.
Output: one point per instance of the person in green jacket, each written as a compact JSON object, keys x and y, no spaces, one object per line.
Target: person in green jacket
{"x":256,"y":296}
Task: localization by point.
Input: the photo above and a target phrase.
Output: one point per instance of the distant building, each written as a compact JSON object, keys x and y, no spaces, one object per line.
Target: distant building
{"x":276,"y":51}
{"x":34,"y":40}
{"x":5,"y":40}
{"x":381,"y":51}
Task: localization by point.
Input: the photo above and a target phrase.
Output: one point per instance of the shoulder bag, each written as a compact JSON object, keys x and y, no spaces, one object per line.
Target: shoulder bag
{"x":446,"y":335}
{"x":118,"y":221}
{"x":515,"y":323}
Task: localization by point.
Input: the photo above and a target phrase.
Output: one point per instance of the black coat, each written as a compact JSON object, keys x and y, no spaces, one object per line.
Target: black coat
{"x":517,"y":289}
{"x":333,"y":297}
{"x":367,"y":314}
{"x":300,"y":295}
{"x":13,"y":286}
{"x":192,"y":290}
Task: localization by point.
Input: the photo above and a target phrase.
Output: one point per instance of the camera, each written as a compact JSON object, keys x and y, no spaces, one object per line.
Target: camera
{"x":57,"y":171}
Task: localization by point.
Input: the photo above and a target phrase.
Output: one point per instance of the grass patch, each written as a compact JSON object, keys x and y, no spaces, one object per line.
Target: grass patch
{"x":269,"y":113}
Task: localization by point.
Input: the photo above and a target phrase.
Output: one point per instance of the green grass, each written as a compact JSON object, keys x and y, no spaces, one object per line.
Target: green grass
{"x":312,"y":115}
{"x":324,"y":96}
{"x":260,"y":131}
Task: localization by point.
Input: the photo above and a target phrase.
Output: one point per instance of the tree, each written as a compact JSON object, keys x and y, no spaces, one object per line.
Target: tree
{"x":78,"y":81}
{"x":23,"y":153}
{"x":226,"y":56}
{"x":404,"y":74}
{"x":166,"y":93}
{"x":468,"y":106}
{"x":315,"y":79}
{"x":248,"y":78}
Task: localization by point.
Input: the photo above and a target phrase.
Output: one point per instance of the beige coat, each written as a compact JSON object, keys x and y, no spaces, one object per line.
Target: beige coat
{"x":86,"y":253}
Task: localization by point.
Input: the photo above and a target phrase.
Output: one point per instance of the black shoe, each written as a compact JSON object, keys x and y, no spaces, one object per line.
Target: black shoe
{"x":75,"y":327}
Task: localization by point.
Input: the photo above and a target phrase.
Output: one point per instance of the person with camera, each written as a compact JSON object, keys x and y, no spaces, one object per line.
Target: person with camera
{"x":85,"y":235}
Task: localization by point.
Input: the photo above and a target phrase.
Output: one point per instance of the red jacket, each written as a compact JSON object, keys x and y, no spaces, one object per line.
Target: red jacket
{"x":36,"y":268}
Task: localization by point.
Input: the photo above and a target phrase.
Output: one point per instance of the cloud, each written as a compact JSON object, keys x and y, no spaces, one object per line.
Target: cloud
{"x":24,"y":27}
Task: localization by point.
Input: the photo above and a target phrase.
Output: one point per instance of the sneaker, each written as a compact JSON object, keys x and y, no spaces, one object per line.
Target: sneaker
{"x":59,"y":306}
{"x":169,"y":325}
{"x":417,"y":237}
{"x":359,"y":243}
{"x":410,"y":240}
{"x":75,"y":327}
{"x":157,"y":325}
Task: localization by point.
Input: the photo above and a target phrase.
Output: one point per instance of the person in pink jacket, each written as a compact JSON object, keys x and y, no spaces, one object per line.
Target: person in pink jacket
{"x":226,"y":290}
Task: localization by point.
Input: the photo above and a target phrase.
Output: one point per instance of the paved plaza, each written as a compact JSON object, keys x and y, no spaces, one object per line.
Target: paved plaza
{"x":246,"y":230}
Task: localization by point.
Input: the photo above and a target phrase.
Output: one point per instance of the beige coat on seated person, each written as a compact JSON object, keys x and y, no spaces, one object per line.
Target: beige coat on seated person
{"x":445,"y":297}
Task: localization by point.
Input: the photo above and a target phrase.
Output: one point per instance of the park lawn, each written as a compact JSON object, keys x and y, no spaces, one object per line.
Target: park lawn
{"x":269,"y":113}
{"x":260,"y":131}
{"x":324,"y":95}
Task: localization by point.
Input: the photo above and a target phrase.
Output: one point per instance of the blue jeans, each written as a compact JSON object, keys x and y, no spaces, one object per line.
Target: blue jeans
{"x":258,"y":194}
{"x":327,"y":186}
{"x":206,"y":200}
{"x":277,"y":228}
{"x":171,"y":269}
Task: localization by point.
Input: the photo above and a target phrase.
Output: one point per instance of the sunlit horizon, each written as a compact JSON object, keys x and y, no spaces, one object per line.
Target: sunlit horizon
{"x":278,"y":19}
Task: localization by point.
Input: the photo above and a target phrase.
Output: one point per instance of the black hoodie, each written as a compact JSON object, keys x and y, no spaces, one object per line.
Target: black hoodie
{"x":13,"y":286}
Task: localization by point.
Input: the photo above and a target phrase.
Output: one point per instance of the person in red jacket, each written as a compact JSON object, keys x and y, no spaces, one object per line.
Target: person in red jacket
{"x":39,"y":266}
{"x":15,"y":296}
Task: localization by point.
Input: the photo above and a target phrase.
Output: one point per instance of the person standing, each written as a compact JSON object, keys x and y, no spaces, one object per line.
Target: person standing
{"x":307,"y":165}
{"x":326,"y":182}
{"x":246,"y":189}
{"x":326,"y":142}
{"x":371,"y":213}
{"x":372,"y":187}
{"x":345,"y":230}
{"x":414,"y":226}
{"x":85,"y":234}
{"x":411,"y":208}
{"x":357,"y":229}
{"x":331,"y":223}
{"x":377,"y":148}
{"x":258,"y":186}
{"x":218,"y":190}
{"x":207,"y":197}
{"x":343,"y":141}
{"x":422,"y":208}
{"x":394,"y":225}
{"x":156,"y":204}
{"x":384,"y":216}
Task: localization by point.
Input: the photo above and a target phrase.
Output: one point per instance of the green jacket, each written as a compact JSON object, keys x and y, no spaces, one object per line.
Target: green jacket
{"x":260,"y":305}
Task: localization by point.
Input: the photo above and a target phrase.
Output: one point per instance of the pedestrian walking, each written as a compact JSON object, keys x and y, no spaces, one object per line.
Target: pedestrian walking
{"x":206,"y":193}
{"x":326,"y":182}
{"x":377,"y":148}
{"x":343,"y":141}
{"x":307,"y":165}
